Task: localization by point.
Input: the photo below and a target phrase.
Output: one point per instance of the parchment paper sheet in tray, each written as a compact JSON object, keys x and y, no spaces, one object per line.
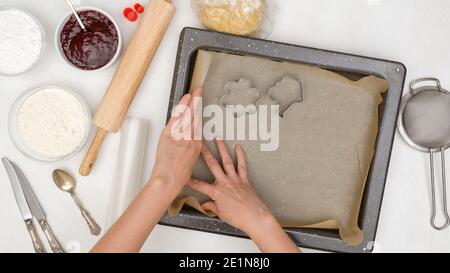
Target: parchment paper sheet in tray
{"x":316,"y":177}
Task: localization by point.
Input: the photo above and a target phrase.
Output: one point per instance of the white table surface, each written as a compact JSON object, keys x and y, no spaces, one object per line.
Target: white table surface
{"x":415,"y":32}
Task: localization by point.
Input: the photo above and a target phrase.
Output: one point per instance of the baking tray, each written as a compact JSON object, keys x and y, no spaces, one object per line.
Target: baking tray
{"x":351,"y":66}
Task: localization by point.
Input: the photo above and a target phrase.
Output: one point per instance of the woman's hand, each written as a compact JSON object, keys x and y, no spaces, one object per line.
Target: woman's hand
{"x":232,"y":191}
{"x":235,"y":202}
{"x":176,"y":158}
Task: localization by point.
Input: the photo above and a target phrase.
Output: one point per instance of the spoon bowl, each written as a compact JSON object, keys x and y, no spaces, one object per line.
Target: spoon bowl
{"x":64,"y":181}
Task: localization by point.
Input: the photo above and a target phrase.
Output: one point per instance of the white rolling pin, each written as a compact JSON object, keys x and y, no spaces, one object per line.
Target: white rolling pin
{"x":128,"y":172}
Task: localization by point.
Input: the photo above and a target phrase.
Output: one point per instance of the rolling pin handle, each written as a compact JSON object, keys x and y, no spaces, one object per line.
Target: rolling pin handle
{"x":91,"y":155}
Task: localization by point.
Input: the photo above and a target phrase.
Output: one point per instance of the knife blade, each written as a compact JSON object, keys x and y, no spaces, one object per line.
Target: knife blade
{"x":36,"y":210}
{"x":23,"y":205}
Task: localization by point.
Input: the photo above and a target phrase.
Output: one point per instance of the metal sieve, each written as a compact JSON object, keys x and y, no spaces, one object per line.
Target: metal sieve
{"x":424,"y":124}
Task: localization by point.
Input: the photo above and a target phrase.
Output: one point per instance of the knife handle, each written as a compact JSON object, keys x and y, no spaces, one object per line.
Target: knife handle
{"x":52,"y":241}
{"x":37,"y":243}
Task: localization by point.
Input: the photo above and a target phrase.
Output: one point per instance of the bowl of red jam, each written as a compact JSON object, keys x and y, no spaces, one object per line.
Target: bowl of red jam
{"x":95,"y":48}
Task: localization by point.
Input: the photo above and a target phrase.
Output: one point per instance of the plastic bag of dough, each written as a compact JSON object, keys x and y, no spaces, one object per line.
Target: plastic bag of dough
{"x":239,"y":17}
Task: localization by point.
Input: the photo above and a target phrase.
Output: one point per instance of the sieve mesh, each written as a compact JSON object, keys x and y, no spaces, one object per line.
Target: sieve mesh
{"x":426,"y":119}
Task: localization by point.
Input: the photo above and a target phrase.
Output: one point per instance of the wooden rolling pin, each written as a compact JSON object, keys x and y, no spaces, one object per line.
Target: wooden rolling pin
{"x":125,"y":83}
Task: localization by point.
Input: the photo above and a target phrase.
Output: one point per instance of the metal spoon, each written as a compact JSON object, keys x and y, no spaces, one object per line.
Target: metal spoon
{"x":67,"y":183}
{"x":76,"y":15}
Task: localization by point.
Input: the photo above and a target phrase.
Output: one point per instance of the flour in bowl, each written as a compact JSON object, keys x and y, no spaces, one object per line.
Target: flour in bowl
{"x":52,"y":122}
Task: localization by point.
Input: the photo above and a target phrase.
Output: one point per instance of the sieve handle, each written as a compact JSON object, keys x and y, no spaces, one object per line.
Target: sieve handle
{"x":444,"y":193}
{"x":415,"y":82}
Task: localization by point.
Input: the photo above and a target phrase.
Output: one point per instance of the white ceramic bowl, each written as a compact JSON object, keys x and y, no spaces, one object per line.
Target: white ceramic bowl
{"x":43,"y":37}
{"x":63,"y":22}
{"x":22,"y":146}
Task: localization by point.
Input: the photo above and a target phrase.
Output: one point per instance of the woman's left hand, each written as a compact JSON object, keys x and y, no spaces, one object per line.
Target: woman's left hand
{"x":176,"y":158}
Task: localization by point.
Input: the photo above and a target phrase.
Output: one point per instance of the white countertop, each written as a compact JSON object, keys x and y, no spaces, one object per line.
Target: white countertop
{"x":414,"y":32}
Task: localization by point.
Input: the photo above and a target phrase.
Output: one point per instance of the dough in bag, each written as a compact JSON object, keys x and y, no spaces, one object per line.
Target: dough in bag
{"x":240,"y":17}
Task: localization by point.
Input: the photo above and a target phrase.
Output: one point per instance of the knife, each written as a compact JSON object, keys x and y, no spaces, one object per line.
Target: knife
{"x":23,"y":206}
{"x":37,"y":210}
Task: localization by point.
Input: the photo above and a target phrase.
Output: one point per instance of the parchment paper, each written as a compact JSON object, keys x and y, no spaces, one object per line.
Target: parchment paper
{"x":316,"y":177}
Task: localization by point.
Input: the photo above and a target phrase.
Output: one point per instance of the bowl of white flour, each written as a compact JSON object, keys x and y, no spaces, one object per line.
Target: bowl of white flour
{"x":22,"y":41}
{"x":49,"y":123}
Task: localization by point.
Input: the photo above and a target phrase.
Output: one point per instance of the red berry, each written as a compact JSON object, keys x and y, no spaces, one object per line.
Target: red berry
{"x":139,"y":8}
{"x":130,"y":14}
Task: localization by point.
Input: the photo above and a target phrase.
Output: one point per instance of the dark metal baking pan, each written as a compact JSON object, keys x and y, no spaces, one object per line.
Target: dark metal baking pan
{"x":352,"y":66}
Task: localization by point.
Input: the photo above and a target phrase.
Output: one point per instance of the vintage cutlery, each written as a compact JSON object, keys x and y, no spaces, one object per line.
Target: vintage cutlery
{"x":23,"y":206}
{"x":67,"y":183}
{"x":36,"y":209}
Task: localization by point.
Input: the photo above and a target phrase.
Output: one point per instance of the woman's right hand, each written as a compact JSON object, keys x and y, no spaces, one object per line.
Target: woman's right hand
{"x":232,"y":191}
{"x":234,"y":201}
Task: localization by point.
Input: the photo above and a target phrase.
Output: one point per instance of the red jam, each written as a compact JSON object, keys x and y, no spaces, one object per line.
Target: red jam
{"x":93,"y":48}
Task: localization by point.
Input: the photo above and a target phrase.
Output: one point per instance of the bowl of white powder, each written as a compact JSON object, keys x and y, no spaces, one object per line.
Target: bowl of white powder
{"x":22,"y":41}
{"x":49,"y":123}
